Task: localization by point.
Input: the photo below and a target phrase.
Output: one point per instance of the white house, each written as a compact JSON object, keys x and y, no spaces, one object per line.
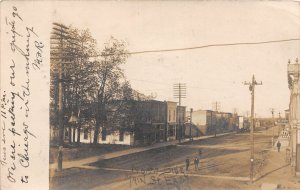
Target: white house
{"x":115,"y":137}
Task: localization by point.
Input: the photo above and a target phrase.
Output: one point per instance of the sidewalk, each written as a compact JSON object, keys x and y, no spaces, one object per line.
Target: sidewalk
{"x":276,"y":172}
{"x":82,"y":163}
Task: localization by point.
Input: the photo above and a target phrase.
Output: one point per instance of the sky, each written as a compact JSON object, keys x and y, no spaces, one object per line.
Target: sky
{"x":210,"y":74}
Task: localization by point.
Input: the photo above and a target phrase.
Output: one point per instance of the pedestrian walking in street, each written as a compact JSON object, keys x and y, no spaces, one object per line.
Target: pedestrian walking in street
{"x":278,"y":146}
{"x":196,"y":163}
{"x":187,"y":164}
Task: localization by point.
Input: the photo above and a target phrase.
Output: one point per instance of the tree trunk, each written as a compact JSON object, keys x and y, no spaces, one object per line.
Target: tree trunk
{"x":99,"y":123}
{"x":96,"y":133}
{"x":99,"y":116}
{"x":100,"y":106}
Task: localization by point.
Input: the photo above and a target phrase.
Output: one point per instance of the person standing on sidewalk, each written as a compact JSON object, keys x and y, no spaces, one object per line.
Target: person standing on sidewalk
{"x":278,"y":146}
{"x":187,"y":164}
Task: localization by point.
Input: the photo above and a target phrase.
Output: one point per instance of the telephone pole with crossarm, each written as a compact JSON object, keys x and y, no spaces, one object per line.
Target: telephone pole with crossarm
{"x":252,"y":90}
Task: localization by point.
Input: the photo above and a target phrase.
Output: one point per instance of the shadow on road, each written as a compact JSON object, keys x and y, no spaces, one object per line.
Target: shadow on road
{"x":267,"y":173}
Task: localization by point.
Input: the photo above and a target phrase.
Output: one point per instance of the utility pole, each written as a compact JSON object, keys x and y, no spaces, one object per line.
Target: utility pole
{"x":179,"y":92}
{"x":273,"y":125}
{"x":59,"y":34}
{"x":279,"y":124}
{"x":216,"y":106}
{"x":252,"y":85}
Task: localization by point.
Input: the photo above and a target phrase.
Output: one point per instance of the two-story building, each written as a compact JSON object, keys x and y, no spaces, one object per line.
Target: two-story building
{"x":180,"y":120}
{"x":171,"y":120}
{"x":150,"y":121}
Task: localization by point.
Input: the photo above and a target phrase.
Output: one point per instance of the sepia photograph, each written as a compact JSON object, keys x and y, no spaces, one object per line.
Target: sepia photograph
{"x":150,"y":95}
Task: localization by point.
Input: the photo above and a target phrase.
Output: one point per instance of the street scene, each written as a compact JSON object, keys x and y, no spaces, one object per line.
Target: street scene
{"x":175,"y":95}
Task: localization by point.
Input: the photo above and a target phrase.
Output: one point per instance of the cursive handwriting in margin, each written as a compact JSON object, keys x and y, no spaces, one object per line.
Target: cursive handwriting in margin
{"x":16,"y":131}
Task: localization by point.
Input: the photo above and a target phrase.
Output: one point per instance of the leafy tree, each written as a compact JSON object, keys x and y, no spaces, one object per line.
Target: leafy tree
{"x":80,"y":74}
{"x":108,"y":77}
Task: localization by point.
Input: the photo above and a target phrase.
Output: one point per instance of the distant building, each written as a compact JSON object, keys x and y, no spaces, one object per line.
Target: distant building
{"x":226,"y":122}
{"x":208,"y":122}
{"x":240,"y":122}
{"x":203,"y":123}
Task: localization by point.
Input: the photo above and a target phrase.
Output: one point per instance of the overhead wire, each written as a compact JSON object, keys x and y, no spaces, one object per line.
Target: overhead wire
{"x":203,"y":46}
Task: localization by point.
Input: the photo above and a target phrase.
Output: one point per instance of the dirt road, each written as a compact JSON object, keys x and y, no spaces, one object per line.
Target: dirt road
{"x":224,"y":164}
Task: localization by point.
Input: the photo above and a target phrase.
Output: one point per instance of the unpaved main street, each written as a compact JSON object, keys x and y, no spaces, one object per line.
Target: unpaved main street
{"x":224,"y":164}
